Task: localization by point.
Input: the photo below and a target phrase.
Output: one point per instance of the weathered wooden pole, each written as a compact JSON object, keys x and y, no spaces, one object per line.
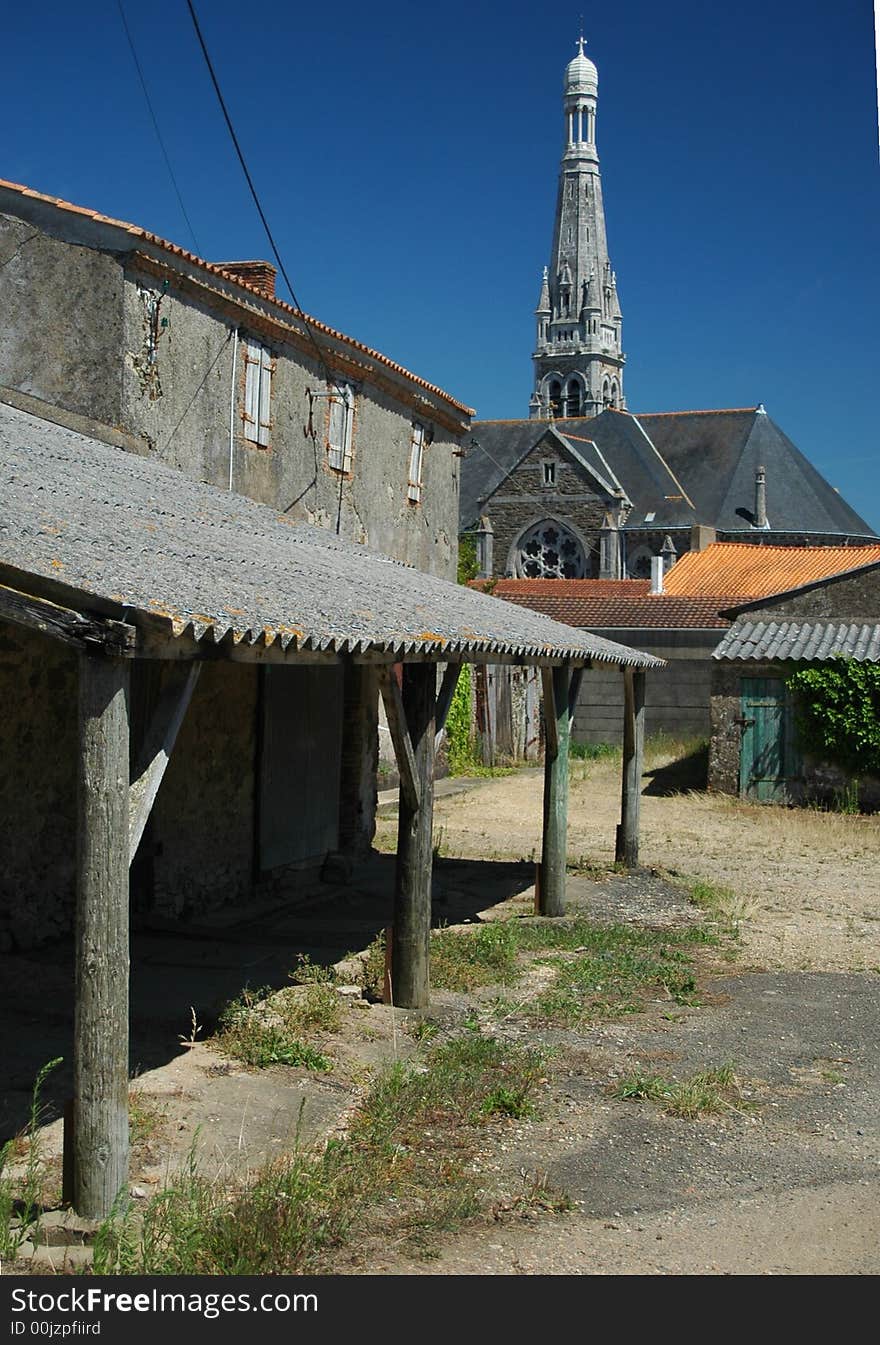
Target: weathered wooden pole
{"x":627,"y":848}
{"x":557,"y":721}
{"x":100,"y":1029}
{"x":410,"y":975}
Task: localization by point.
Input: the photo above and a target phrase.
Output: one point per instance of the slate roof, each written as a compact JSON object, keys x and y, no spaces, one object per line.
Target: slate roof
{"x":17,"y":198}
{"x":747,"y":571}
{"x":682,"y":467}
{"x":800,"y":641}
{"x":715,"y":454}
{"x":131,"y":538}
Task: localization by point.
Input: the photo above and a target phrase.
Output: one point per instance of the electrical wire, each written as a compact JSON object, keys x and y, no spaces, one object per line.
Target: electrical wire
{"x":137,"y":66}
{"x":241,"y":159}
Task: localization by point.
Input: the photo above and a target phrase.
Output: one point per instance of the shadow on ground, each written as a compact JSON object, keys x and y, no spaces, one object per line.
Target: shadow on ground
{"x":181,"y":969}
{"x":690,"y":772}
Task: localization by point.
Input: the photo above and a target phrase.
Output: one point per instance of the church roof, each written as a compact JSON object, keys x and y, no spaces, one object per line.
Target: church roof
{"x":715,"y":454}
{"x":749,"y":571}
{"x":677,"y":469}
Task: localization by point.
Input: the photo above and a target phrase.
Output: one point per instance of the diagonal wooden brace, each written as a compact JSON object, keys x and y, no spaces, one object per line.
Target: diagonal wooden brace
{"x":158,"y":746}
{"x":400,"y":737}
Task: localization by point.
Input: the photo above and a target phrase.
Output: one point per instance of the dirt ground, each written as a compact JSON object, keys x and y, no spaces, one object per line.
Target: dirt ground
{"x":789,"y":1185}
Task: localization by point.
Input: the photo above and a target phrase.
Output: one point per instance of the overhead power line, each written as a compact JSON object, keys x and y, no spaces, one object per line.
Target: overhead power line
{"x":137,"y":66}
{"x":241,"y":159}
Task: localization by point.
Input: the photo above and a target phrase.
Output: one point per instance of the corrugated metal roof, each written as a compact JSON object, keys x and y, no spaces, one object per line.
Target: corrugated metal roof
{"x":135,"y":534}
{"x":743,"y":570}
{"x":800,"y":641}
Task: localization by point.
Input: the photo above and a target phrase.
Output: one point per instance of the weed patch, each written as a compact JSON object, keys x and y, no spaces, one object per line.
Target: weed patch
{"x":708,"y":1093}
{"x":402,"y":1172}
{"x":21,"y":1197}
{"x":611,"y":970}
{"x":261,"y":1035}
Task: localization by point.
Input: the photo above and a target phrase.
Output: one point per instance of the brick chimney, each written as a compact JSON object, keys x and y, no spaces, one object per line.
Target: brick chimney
{"x":259,"y":276}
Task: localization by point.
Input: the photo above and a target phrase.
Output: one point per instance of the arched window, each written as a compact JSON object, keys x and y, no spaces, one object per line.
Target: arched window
{"x":549,"y":551}
{"x":573,"y":399}
{"x":554,"y":391}
{"x":606,"y":393}
{"x":615,"y":394}
{"x":638,"y":563}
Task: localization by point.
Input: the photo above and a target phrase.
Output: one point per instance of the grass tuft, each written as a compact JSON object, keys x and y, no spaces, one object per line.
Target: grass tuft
{"x":708,"y":1093}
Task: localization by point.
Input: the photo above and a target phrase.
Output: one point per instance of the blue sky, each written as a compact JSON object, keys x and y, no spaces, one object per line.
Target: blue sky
{"x":407,"y":161}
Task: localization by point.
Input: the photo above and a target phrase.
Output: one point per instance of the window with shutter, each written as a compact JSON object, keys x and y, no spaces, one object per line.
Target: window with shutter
{"x":258,"y":367}
{"x":414,"y":491}
{"x":341,"y":422}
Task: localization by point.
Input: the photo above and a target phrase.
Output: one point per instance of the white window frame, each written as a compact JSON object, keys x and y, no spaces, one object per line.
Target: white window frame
{"x":259,"y":365}
{"x":340,"y":426}
{"x":416,"y":456}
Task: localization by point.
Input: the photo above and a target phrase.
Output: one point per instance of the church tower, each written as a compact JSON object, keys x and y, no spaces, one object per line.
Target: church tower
{"x":578,"y":354}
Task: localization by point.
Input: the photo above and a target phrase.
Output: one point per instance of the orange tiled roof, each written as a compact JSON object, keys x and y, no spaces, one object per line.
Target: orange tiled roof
{"x":567,"y":588}
{"x":174,"y":250}
{"x":606,"y":604}
{"x":740,"y":568}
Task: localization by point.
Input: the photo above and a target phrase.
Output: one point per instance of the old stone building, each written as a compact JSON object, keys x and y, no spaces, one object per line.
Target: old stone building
{"x":755,"y":750}
{"x":583,"y":488}
{"x":122,"y":337}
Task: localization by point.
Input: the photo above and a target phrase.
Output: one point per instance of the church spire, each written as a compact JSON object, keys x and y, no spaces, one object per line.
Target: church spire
{"x":578,"y":355}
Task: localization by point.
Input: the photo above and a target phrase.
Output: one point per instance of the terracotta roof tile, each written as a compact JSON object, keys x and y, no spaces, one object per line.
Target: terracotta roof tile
{"x":757,"y":571}
{"x":145,"y":236}
{"x":607,"y":604}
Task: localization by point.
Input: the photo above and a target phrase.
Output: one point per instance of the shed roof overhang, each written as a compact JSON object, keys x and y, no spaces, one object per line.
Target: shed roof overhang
{"x":105,"y":548}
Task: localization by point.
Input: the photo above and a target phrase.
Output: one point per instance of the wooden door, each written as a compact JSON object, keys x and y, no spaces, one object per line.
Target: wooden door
{"x":300,"y":759}
{"x":767,"y":751}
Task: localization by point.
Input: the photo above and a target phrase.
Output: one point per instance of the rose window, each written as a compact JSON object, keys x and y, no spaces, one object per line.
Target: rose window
{"x":550,"y":551}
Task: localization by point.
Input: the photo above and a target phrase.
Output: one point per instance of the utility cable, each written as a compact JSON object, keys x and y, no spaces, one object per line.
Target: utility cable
{"x":241,"y":159}
{"x":137,"y":66}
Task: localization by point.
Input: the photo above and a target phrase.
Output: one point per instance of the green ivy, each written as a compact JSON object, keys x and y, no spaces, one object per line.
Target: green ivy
{"x":459,"y":738}
{"x":837,"y":710}
{"x":467,"y":558}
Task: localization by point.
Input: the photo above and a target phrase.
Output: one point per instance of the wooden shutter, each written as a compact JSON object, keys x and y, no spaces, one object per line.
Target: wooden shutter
{"x":265,"y":401}
{"x":341,"y":417}
{"x":251,"y":390}
{"x":415,"y":462}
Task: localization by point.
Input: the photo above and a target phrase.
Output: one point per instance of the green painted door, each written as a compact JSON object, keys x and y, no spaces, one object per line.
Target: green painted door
{"x":767,"y":752}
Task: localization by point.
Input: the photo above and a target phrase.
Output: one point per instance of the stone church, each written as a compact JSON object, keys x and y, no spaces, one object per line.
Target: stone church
{"x":584,"y":488}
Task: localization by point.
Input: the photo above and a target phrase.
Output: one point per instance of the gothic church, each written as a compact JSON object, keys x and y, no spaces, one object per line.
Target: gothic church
{"x":583,"y":488}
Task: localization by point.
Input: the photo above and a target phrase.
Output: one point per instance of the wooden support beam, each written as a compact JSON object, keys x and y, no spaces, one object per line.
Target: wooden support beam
{"x":410,"y":975}
{"x":551,"y":737}
{"x":100,"y":1025}
{"x":557,"y":725}
{"x":574,"y":692}
{"x":158,"y":746}
{"x":444,"y":699}
{"x":81,"y":630}
{"x":627,"y":847}
{"x":397,"y":727}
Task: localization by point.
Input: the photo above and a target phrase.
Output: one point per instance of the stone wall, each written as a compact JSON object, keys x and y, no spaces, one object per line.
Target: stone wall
{"x":38,"y":735}
{"x":522,"y":501}
{"x":61,"y":332}
{"x":676,"y":697}
{"x":848,"y":598}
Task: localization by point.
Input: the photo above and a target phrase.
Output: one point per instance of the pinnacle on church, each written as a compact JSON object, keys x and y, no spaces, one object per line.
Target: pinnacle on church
{"x":578,"y":352}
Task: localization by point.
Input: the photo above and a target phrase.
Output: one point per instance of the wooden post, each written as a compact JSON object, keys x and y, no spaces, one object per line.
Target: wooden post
{"x":100,"y":1029}
{"x":410,"y":978}
{"x":557,"y":726}
{"x":627,"y":848}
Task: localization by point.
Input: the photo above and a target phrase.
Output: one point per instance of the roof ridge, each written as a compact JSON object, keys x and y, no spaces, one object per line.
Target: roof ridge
{"x":712,"y":411}
{"x":137,"y":231}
